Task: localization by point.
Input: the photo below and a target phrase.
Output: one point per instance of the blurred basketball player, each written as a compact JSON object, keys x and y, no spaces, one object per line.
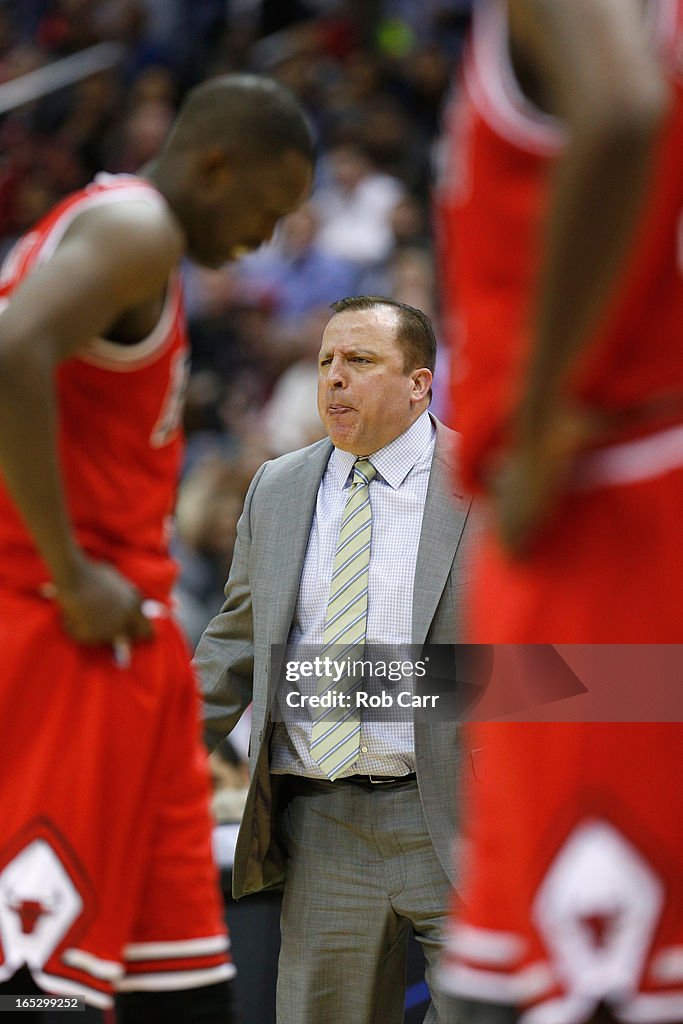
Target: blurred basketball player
{"x":561,"y":199}
{"x":106,"y":880}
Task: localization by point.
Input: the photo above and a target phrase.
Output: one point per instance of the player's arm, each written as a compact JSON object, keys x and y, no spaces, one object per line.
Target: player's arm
{"x":112,"y":259}
{"x":595,"y":70}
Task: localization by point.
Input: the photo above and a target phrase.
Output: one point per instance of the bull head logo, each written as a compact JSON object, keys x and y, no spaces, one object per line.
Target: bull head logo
{"x":30,"y":911}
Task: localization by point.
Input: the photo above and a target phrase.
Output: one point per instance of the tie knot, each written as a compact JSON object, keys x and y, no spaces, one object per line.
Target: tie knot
{"x":363,"y":471}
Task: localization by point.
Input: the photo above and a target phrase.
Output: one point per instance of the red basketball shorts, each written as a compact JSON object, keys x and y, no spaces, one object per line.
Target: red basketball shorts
{"x":106,"y":876}
{"x":572,"y":879}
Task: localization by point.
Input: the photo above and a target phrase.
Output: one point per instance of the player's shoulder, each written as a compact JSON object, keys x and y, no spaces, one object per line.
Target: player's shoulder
{"x":129,"y":217}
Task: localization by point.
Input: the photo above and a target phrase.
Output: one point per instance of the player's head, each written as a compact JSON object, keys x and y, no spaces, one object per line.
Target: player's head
{"x":238,"y":158}
{"x":374,"y":371}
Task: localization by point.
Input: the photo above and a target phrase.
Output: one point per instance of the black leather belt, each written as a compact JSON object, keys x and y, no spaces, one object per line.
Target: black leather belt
{"x":369,"y":782}
{"x":379,"y":781}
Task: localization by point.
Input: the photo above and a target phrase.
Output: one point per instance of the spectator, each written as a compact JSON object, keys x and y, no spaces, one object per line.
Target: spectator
{"x":298,"y":274}
{"x":290,"y":417}
{"x":355,"y":207}
{"x":209,"y":503}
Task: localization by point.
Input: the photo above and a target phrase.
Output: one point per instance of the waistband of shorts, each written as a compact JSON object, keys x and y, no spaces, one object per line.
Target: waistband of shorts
{"x":629,"y":462}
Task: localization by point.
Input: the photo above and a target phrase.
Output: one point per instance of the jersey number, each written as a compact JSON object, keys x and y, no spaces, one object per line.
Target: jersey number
{"x":172,"y":410}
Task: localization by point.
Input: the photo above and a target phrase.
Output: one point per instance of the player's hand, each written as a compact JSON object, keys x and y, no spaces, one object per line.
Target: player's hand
{"x":530,"y":484}
{"x":100,"y":606}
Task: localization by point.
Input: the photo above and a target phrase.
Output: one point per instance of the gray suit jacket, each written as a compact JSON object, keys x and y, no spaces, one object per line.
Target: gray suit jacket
{"x":233,"y":656}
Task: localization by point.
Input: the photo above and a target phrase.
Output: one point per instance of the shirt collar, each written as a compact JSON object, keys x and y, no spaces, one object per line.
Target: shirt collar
{"x":395,"y":460}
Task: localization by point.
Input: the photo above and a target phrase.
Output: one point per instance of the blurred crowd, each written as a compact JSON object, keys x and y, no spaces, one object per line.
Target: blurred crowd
{"x":372,"y":76}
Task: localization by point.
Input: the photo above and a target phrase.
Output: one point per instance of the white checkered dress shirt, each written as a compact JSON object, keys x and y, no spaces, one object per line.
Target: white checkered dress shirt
{"x":397,"y":498}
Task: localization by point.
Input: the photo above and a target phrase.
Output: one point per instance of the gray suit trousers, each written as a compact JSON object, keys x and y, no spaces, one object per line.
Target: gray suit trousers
{"x":343,"y":951}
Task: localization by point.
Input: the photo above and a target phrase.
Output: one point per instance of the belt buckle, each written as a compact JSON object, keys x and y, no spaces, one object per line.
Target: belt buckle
{"x":380,"y":780}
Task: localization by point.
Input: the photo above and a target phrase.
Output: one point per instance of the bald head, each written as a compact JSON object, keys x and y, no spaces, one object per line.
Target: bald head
{"x":256,"y":117}
{"x":239,"y":157}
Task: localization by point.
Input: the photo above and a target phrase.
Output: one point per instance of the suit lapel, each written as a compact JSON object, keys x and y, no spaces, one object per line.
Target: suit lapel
{"x":443,"y":522}
{"x":292,"y":517}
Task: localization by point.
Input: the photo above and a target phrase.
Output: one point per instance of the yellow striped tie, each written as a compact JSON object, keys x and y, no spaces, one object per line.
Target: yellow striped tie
{"x":335,"y":737}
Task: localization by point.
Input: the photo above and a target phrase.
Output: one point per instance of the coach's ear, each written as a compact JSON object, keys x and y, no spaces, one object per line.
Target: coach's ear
{"x":421,"y":383}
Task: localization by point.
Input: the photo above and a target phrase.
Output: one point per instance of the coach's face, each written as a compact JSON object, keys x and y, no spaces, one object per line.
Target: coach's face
{"x":365,"y":396}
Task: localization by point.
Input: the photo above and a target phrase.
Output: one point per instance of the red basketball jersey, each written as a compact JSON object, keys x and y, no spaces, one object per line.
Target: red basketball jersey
{"x":119,"y":409}
{"x":497,"y":159}
{"x":584,"y":581}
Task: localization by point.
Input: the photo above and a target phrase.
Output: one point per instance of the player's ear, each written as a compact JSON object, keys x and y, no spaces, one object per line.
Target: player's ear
{"x":215,"y":171}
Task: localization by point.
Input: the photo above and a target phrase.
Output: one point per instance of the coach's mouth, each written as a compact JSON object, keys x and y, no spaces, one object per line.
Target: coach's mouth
{"x":338,"y":410}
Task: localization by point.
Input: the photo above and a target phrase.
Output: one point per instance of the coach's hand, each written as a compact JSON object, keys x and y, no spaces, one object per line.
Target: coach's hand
{"x":100,"y":606}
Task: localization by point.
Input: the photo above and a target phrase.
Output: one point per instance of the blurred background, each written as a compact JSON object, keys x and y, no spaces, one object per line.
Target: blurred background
{"x":92,"y":85}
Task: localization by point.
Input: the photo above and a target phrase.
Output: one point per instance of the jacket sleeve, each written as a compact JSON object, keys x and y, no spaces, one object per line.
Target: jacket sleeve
{"x":224,"y":658}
